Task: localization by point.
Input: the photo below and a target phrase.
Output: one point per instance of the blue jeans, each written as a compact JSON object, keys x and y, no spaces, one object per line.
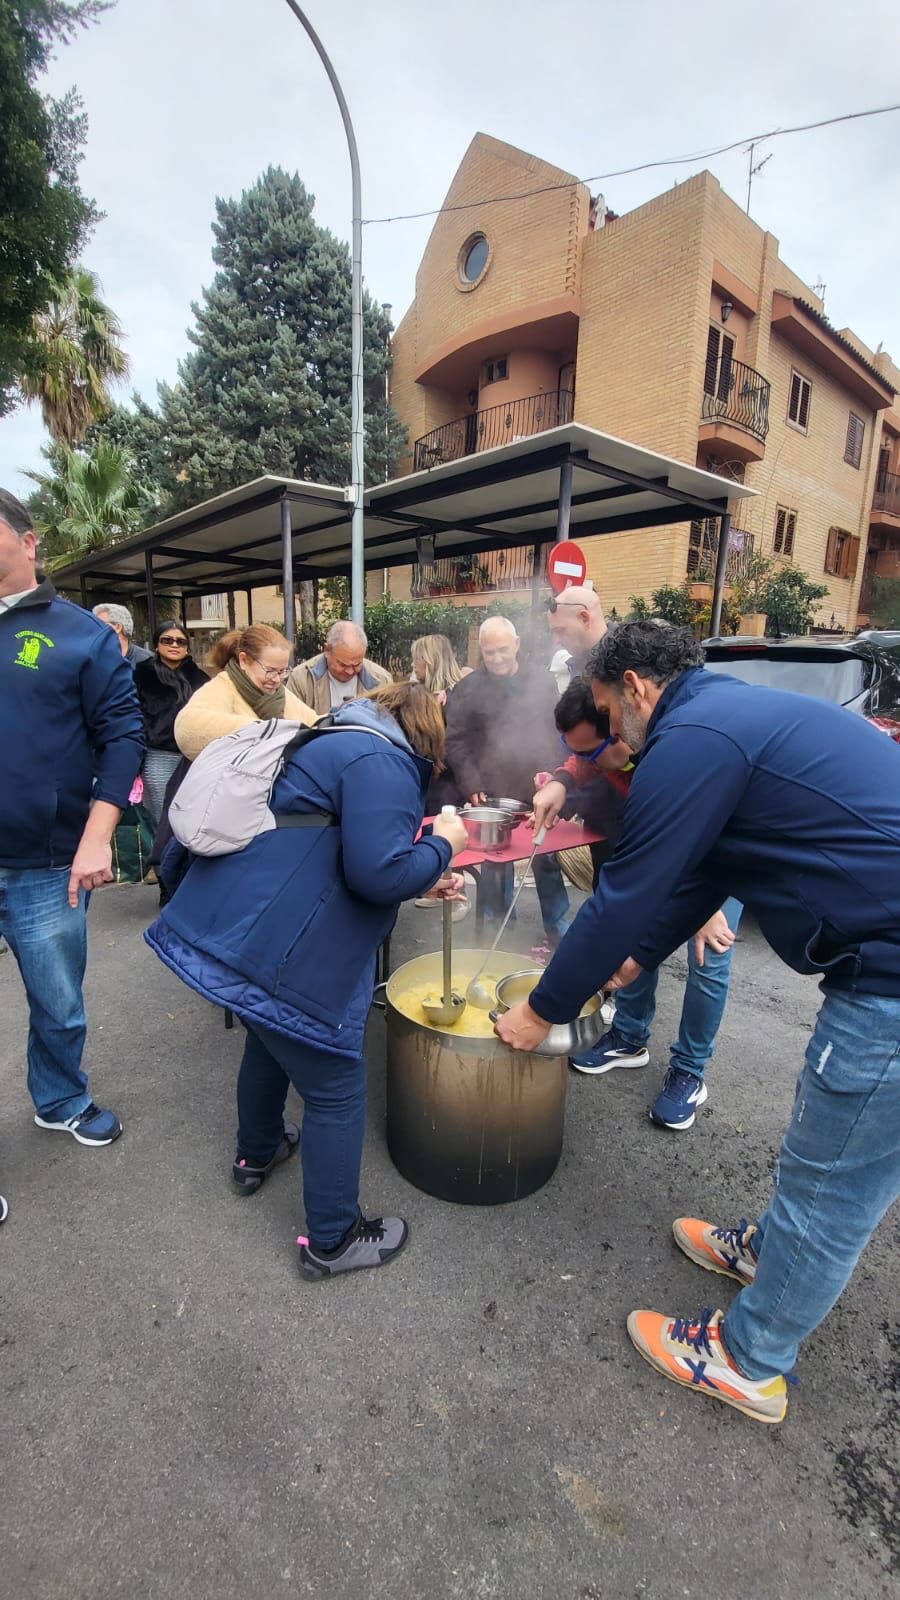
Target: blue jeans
{"x":497,"y":885}
{"x":705,"y":994}
{"x":838,"y":1171}
{"x":48,"y":938}
{"x":333,"y":1091}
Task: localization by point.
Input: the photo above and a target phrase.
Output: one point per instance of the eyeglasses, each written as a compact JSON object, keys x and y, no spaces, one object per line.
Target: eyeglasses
{"x":584,"y":755}
{"x":169,"y":638}
{"x":276,"y":673}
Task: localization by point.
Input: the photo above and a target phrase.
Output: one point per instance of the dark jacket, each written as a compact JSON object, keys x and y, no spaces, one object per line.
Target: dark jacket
{"x":162,"y":692}
{"x":70,"y":727}
{"x":500,"y":731}
{"x":136,"y":653}
{"x":284,"y":933}
{"x":790,"y":804}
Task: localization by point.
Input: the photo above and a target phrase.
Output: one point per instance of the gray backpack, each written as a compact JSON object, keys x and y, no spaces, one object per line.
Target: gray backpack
{"x":224,"y":799}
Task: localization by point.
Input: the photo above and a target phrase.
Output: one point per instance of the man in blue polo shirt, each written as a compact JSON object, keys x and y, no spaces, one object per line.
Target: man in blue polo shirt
{"x":792,"y":805}
{"x":71,"y":742}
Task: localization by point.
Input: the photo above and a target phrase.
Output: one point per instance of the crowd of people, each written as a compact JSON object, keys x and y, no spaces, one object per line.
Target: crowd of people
{"x":705,"y":795}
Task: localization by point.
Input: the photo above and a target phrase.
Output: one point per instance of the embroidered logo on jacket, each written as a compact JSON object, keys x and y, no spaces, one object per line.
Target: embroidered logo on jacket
{"x":30,"y":649}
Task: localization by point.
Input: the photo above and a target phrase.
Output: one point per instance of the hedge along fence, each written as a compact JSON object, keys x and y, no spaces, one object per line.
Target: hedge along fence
{"x":392,"y":625}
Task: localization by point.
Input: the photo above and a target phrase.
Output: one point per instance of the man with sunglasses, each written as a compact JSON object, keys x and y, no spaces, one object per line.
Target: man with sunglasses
{"x":594,"y":782}
{"x":577,"y":624}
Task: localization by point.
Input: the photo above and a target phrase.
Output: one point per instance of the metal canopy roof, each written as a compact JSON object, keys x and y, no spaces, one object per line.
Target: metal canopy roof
{"x":494,"y":499}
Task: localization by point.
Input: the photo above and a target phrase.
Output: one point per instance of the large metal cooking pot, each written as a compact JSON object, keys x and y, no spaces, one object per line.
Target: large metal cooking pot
{"x":467,"y":1119}
{"x":488,"y":827}
{"x":517,"y":809}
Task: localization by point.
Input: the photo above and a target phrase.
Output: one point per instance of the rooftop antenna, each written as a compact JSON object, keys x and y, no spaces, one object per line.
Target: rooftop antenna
{"x":819,"y":289}
{"x":753,"y":170}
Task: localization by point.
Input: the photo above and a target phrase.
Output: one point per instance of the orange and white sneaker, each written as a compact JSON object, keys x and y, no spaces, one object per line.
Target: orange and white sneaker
{"x":725,"y":1250}
{"x":692,"y":1353}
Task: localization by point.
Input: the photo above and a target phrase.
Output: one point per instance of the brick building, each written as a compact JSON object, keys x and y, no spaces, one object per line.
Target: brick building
{"x":676,"y":326}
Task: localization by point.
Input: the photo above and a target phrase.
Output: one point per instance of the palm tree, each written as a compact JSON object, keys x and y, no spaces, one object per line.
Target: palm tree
{"x":76,"y":353}
{"x":88,"y":501}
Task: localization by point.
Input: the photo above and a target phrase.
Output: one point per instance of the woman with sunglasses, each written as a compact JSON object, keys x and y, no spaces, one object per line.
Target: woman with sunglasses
{"x":164,"y":684}
{"x":250,"y":665}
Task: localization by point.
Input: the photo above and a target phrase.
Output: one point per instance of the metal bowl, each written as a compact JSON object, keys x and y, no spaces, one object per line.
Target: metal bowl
{"x":488,"y":827}
{"x":564,"y":1038}
{"x":517,"y":809}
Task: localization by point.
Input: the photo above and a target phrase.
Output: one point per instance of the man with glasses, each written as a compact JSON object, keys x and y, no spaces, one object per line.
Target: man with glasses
{"x":72,"y":744}
{"x":341,"y":672}
{"x":594,"y":782}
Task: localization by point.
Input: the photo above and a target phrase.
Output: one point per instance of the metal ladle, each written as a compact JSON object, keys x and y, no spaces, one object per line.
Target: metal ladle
{"x":476,"y":993}
{"x":444,"y":1012}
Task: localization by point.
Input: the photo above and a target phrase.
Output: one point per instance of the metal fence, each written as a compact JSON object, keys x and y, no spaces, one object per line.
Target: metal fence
{"x":703,"y":551}
{"x":495,"y":425}
{"x":489,"y":571}
{"x":737,"y":393}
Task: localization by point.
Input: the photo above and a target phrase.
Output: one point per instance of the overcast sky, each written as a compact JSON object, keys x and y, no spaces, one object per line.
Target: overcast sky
{"x":189,"y":99}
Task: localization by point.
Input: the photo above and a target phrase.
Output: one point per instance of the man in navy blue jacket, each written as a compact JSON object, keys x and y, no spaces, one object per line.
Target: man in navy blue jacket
{"x":792,"y":805}
{"x":71,"y":742}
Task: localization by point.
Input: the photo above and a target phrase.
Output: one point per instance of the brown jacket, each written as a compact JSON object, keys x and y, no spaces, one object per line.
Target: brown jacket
{"x":217,"y":709}
{"x":309,"y":682}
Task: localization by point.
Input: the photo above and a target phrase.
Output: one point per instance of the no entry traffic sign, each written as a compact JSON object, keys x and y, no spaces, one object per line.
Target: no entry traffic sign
{"x":565,"y":565}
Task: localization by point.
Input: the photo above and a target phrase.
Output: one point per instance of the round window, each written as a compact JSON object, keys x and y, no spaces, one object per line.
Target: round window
{"x":473,"y":258}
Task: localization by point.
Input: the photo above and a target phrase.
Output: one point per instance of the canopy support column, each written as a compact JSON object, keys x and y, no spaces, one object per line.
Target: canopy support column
{"x":287,"y":572}
{"x":151,"y":593}
{"x":564,"y":505}
{"x":715,"y":621}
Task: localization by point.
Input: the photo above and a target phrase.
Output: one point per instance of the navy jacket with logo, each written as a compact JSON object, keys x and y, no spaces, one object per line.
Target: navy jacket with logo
{"x":789,"y":803}
{"x":70,"y":727}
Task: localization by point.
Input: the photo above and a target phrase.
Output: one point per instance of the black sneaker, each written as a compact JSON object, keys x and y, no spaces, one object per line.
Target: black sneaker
{"x":247,"y":1178}
{"x":370,"y":1243}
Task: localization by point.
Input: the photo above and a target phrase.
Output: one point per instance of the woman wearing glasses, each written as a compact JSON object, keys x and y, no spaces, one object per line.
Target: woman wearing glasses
{"x":251,"y":665}
{"x":164,"y":684}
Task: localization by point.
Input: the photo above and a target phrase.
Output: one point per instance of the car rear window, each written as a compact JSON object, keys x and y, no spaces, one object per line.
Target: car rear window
{"x":824,"y":677}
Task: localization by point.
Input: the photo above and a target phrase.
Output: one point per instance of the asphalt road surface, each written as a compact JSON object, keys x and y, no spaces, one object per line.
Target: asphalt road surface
{"x":182,"y":1415}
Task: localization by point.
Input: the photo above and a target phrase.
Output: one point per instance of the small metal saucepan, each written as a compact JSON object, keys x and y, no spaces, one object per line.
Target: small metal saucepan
{"x":488,"y":827}
{"x":564,"y":1038}
{"x":517,"y":809}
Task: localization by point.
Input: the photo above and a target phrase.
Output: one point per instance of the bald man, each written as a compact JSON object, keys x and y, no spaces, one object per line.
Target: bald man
{"x":500,"y":732}
{"x":577,"y":624}
{"x":340,"y":673}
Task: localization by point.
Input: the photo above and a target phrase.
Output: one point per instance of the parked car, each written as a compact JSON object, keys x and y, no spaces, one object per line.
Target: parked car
{"x":862,"y":673}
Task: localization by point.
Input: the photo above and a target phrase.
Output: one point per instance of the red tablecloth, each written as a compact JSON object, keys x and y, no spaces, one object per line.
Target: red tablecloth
{"x":564,"y":836}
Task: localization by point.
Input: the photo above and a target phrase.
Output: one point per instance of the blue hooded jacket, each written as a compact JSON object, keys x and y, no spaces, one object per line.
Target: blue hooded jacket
{"x":70,"y":727}
{"x":790,"y":804}
{"x":284,"y":932}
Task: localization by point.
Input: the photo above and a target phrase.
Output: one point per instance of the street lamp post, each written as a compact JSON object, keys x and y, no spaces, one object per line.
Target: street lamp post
{"x":357,"y":555}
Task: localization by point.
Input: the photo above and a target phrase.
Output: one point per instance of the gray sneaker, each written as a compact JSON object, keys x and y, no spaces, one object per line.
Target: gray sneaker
{"x":372,"y":1242}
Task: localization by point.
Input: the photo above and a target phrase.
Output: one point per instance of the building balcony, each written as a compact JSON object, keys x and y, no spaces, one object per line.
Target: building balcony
{"x":482,"y":430}
{"x":734,"y":416}
{"x":703,"y":552}
{"x":886,"y":501}
{"x":481,"y":574}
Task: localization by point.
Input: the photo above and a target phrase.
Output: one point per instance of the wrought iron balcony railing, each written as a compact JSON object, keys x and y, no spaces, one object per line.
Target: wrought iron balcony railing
{"x":482,"y":430}
{"x":491,"y":570}
{"x":887,"y":493}
{"x":736,"y":393}
{"x":703,"y":552}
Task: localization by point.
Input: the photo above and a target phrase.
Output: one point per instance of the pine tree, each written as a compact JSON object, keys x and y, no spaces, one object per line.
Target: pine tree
{"x":267,"y":386}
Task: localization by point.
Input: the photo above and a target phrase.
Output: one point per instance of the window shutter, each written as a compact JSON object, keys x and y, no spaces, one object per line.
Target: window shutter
{"x":724,"y":388}
{"x":712,"y":361}
{"x":852,"y":557}
{"x":803,"y":415}
{"x":780,"y":517}
{"x":790,"y":522}
{"x":794,"y":402}
{"x":830,"y":549}
{"x":856,"y":429}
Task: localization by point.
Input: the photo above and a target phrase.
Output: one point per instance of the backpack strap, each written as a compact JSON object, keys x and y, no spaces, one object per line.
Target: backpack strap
{"x":307,"y":819}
